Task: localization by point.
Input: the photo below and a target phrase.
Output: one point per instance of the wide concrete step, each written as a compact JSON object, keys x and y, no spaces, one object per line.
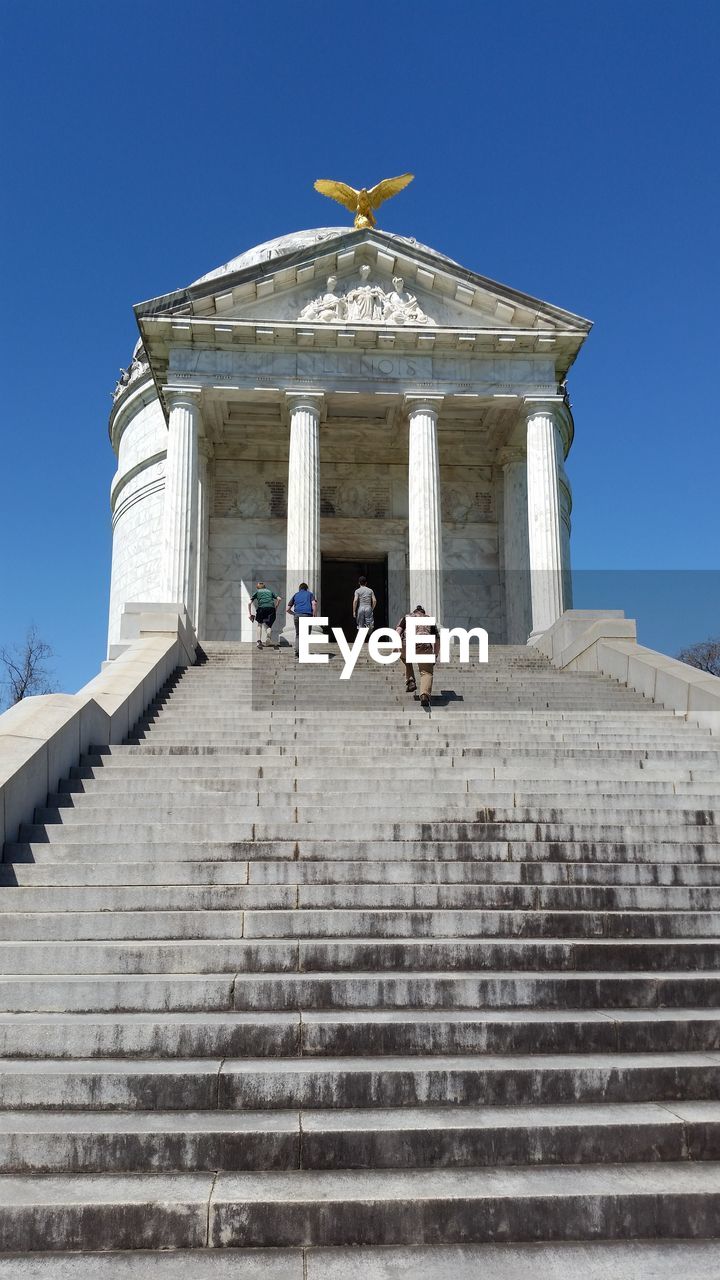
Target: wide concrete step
{"x":666,"y":792}
{"x":141,"y":778}
{"x":119,"y":1084}
{"x":306,"y":1207}
{"x":221,"y":709}
{"x":623,"y":854}
{"x":304,"y":752}
{"x":75,"y":1141}
{"x":603,"y":1260}
{"x":164,"y":877}
{"x":394,"y":886}
{"x":264,"y":953}
{"x":335,"y":921}
{"x":401,"y":1031}
{"x":635,"y":826}
{"x":411,"y":740}
{"x":459,"y":798}
{"x":429,"y":989}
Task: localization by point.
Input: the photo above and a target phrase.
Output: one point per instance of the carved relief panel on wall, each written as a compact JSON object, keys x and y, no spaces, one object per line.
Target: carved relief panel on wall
{"x":250,"y":498}
{"x":468,"y":498}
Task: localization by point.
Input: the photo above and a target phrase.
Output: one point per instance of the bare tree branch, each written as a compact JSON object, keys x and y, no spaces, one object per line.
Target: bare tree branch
{"x":26,"y":672}
{"x":705,"y":656}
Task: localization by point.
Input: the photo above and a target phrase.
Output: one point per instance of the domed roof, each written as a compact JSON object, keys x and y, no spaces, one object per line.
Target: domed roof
{"x":294,"y":243}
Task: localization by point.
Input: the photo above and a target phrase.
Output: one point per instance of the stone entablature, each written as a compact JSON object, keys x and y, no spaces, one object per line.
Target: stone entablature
{"x":447,"y":374}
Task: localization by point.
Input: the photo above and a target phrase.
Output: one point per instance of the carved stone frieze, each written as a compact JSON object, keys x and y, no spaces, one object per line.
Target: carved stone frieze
{"x":366,"y":303}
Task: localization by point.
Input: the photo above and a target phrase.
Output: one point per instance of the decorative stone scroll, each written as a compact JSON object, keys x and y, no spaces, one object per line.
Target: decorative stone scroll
{"x":366,"y":303}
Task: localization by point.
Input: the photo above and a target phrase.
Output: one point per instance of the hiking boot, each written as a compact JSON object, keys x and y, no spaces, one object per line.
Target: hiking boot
{"x":259,"y":644}
{"x":424,"y":699}
{"x":410,"y":686}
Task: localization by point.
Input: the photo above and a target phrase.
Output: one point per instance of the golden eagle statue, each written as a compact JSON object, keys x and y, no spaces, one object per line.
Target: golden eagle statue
{"x":362,"y":202}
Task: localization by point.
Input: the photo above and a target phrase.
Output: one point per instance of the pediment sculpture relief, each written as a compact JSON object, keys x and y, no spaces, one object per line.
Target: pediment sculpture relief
{"x":366,"y":303}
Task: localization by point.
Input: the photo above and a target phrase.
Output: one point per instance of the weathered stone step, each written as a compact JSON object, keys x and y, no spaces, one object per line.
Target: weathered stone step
{"x":635,"y":827}
{"x":140,"y":777}
{"x":411,"y":741}
{"x":334,"y":920}
{"x":451,"y":781}
{"x":532,"y":854}
{"x":664,"y":1200}
{"x":458,"y":796}
{"x":222,"y":875}
{"x":281,"y":1034}
{"x":406,"y":1031}
{"x":385,"y":891}
{"x":604,"y":1260}
{"x":154,"y":1034}
{"x":389,"y":990}
{"x":118,"y":1084}
{"x":43,"y":1141}
{"x":149,"y":1142}
{"x":255,"y":955}
{"x":477,"y":1136}
{"x":302,"y":751}
{"x":564,"y":1202}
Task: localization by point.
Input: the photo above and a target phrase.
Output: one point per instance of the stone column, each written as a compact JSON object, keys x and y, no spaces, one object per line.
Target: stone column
{"x":516,"y":551}
{"x":424,"y":508}
{"x":302,"y":559}
{"x":180,"y":514}
{"x":565,"y":528}
{"x":203,"y":534}
{"x":544,"y":454}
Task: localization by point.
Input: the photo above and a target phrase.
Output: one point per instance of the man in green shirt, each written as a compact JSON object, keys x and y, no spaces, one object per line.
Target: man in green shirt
{"x":262,"y":606}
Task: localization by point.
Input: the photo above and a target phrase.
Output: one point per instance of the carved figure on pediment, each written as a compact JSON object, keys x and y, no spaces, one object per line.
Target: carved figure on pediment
{"x":402,"y":307}
{"x":328,"y":308}
{"x":366,"y":302}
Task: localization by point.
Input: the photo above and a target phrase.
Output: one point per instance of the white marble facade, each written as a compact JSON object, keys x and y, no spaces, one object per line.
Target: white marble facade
{"x":347,"y":395}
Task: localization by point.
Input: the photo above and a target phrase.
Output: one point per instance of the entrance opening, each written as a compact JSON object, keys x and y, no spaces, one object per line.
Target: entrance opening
{"x":338,"y":581}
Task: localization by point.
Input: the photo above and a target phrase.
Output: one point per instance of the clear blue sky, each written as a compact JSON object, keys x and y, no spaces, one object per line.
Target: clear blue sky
{"x":568,"y":149}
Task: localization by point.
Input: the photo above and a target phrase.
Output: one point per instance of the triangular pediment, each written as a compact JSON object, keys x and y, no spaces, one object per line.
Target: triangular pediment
{"x":363,"y":278}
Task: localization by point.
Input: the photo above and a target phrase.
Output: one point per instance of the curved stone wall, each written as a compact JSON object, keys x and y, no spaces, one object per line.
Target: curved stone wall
{"x":139,"y":435}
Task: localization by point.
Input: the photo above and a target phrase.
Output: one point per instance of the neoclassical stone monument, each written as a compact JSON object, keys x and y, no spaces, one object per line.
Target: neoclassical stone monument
{"x":337,"y":400}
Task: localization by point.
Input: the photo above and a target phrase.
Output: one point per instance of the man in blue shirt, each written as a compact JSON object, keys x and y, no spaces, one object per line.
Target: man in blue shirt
{"x":303,"y":605}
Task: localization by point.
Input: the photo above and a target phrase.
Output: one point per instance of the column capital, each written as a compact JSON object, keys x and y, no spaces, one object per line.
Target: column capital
{"x":510,"y":454}
{"x":176,"y":396}
{"x":557,"y":408}
{"x":312,"y":401}
{"x":548,"y":405}
{"x":422,"y":404}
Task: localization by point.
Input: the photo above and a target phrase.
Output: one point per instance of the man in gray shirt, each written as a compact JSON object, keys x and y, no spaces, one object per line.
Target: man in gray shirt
{"x":364,"y":605}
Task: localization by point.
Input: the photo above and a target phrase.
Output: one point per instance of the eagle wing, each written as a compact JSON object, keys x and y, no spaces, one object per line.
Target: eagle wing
{"x":339,"y":191}
{"x":388,"y":187}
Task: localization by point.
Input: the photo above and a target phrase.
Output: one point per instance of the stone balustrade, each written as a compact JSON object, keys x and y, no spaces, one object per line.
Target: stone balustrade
{"x":42,"y":738}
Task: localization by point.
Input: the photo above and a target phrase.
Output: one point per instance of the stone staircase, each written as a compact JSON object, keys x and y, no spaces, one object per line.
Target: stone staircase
{"x":302,"y":968}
